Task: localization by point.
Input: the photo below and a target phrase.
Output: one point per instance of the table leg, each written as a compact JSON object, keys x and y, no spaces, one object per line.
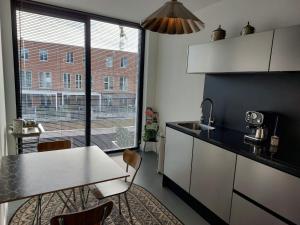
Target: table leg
{"x":38,"y":211}
{"x":82,"y":198}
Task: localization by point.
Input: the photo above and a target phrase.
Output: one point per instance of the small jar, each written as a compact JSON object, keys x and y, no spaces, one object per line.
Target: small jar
{"x":218,"y":34}
{"x":248,"y":29}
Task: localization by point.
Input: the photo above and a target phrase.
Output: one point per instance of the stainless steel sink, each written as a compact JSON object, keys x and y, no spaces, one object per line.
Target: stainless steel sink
{"x":195,"y":126}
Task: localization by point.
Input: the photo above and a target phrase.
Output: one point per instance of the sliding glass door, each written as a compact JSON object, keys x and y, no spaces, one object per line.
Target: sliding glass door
{"x":115,"y":78}
{"x":79,"y":76}
{"x":52,"y":75}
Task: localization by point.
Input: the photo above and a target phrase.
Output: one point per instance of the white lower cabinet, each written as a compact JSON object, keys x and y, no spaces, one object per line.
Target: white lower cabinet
{"x":212,"y":177}
{"x":178,"y":157}
{"x":244,"y":212}
{"x":274,"y":189}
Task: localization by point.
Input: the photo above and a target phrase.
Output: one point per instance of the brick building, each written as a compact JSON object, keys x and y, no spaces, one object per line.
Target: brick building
{"x":53,"y":79}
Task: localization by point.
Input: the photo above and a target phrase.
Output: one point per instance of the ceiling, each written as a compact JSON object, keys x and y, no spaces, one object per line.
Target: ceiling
{"x":131,"y":10}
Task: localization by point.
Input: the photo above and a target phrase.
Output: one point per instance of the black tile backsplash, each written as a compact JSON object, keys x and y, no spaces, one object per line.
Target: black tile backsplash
{"x":234,"y":94}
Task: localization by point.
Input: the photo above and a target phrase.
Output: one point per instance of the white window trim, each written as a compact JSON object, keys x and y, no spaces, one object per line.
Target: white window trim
{"x":111,"y":64}
{"x":122,"y":63}
{"x":77,"y":81}
{"x":112,"y":81}
{"x":24,"y":72}
{"x":40,"y":80}
{"x":68,"y":57}
{"x":126,"y":78}
{"x":43,"y":50}
{"x":22,"y":49}
{"x":67,"y":88}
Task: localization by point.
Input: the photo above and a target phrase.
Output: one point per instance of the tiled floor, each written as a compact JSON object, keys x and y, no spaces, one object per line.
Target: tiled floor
{"x":152,"y":181}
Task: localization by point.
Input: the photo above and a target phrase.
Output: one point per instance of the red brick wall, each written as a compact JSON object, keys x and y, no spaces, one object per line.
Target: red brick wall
{"x":57,"y":65}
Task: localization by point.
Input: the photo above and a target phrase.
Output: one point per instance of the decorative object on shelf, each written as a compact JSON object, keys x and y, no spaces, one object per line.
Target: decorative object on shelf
{"x":248,"y":29}
{"x":218,"y":34}
{"x":173,"y":18}
{"x":21,"y":129}
{"x":151,"y":127}
{"x":18,"y":125}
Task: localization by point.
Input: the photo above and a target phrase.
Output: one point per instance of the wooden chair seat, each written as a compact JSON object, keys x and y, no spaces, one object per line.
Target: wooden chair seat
{"x":110,"y":188}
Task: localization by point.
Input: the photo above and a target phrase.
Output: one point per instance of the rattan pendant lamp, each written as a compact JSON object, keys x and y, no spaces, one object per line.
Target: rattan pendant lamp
{"x":173,"y":18}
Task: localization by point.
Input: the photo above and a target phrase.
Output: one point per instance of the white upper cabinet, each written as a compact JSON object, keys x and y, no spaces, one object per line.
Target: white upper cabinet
{"x":249,"y":53}
{"x":286,"y":50}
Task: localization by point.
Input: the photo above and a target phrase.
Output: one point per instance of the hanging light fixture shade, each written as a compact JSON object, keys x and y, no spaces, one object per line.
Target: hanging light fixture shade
{"x":173,"y":18}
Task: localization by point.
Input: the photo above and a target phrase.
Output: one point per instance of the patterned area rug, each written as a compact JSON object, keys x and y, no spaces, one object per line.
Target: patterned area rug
{"x":145,"y":209}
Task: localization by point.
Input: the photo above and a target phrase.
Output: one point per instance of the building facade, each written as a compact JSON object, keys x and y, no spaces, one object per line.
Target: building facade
{"x":53,"y":80}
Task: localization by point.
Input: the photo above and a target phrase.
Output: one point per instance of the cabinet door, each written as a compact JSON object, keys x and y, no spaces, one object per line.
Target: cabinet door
{"x":286,"y":50}
{"x":246,"y":213}
{"x":178,"y":157}
{"x":274,"y":189}
{"x":249,"y":53}
{"x":212,"y":177}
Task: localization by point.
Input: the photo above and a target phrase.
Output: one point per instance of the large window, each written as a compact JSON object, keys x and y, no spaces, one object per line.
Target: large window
{"x":58,"y":90}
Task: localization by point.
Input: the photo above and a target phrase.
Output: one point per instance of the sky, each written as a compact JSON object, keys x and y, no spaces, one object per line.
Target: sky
{"x":41,"y":28}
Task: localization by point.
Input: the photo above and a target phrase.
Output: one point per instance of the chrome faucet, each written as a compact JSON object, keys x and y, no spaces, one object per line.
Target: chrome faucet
{"x":210,"y":119}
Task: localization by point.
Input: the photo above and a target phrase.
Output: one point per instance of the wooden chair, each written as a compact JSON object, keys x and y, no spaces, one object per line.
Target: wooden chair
{"x":94,"y":216}
{"x":53,"y":145}
{"x":118,"y":187}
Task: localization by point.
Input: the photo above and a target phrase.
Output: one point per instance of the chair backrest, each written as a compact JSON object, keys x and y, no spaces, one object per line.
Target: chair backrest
{"x":53,"y":145}
{"x":94,"y":216}
{"x":133,"y":159}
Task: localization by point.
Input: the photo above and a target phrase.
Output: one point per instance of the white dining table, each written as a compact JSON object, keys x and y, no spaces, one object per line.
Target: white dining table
{"x":35,"y":174}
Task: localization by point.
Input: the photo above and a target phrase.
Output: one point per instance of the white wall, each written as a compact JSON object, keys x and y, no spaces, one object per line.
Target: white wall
{"x":3,"y":143}
{"x":8,"y":68}
{"x":178,"y":95}
{"x":149,"y":74}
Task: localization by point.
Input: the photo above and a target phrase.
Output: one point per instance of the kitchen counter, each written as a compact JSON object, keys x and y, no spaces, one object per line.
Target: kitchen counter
{"x":282,"y":158}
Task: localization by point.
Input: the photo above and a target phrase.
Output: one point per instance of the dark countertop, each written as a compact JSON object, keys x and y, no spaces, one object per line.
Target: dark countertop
{"x":282,"y":158}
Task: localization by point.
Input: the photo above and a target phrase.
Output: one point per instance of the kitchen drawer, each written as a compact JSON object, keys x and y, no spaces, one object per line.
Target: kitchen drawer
{"x":276,"y":190}
{"x":244,"y":212}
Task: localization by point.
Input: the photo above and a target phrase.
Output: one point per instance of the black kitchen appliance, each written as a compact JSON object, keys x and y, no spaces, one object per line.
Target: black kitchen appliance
{"x":261,"y":125}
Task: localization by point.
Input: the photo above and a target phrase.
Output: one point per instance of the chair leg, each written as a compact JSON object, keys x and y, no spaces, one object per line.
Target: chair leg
{"x":120,"y":211}
{"x":129,"y":211}
{"x":145,"y":146}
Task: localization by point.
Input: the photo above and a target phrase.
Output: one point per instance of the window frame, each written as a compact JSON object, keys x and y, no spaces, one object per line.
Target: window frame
{"x":126,"y":84}
{"x":71,"y":54}
{"x":122,"y":64}
{"x":85,"y":17}
{"x":45,"y":73}
{"x":109,"y":64}
{"x":24,"y":73}
{"x":42,"y":55}
{"x":78,"y":81}
{"x":109,"y":82}
{"x":68,"y":86}
{"x":22,"y":54}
